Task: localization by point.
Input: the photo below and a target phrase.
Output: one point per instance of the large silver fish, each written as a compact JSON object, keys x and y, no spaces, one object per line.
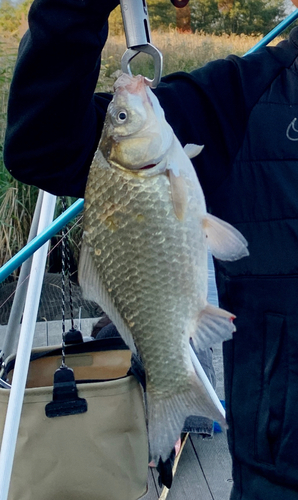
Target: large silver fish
{"x":144,"y":255}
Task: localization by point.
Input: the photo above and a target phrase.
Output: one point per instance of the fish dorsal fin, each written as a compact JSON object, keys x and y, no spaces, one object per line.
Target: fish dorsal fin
{"x":179,"y":194}
{"x":225,"y":242}
{"x":93,"y":289}
{"x":192,"y":150}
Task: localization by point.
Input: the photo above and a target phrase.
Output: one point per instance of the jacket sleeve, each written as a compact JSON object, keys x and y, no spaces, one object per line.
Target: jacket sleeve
{"x":53,"y":123}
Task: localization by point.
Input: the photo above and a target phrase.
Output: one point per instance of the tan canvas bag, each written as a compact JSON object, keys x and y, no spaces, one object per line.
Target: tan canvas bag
{"x":101,"y":454}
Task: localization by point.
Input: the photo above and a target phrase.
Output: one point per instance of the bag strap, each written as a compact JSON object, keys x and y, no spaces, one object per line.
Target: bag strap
{"x":73,"y":336}
{"x":65,"y":394}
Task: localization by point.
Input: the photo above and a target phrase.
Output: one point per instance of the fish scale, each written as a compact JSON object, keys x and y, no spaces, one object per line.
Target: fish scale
{"x":144,"y":256}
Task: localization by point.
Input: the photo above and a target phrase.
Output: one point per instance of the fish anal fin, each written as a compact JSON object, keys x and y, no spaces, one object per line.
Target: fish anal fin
{"x":166,"y":416}
{"x":93,"y":289}
{"x":192,"y":150}
{"x":225,"y":242}
{"x":179,"y":194}
{"x":214,"y":326}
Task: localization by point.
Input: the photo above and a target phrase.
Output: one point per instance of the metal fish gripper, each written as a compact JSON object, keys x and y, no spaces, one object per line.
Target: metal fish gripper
{"x":138,"y":38}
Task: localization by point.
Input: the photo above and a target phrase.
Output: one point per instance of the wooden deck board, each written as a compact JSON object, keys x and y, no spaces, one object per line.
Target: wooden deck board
{"x":214,"y":458}
{"x":189,"y":482}
{"x":203,"y":473}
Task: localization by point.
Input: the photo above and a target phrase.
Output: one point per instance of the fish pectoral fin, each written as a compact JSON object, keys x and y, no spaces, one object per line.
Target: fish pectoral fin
{"x":214,"y":325}
{"x":225,"y":242}
{"x":93,"y":289}
{"x":192,"y":150}
{"x":179,"y":194}
{"x":166,"y":415}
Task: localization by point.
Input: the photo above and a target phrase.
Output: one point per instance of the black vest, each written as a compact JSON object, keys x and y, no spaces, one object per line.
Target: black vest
{"x":260,"y":198}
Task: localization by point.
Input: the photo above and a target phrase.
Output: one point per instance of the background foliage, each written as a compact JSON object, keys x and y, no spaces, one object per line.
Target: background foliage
{"x":251,"y":17}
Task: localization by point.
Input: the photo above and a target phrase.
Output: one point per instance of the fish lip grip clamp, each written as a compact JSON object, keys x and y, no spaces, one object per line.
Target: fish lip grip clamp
{"x":130,"y":53}
{"x":138,"y":38}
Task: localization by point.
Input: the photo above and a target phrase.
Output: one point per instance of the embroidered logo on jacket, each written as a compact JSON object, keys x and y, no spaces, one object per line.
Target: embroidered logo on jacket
{"x":292,"y":131}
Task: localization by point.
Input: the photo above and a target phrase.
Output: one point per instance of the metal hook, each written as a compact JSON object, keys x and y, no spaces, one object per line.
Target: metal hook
{"x":130,"y":54}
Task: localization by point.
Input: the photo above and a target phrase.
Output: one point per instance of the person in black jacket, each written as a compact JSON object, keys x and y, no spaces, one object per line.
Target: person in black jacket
{"x":244,"y":111}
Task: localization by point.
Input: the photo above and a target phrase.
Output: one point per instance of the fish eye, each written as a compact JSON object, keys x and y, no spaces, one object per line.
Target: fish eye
{"x":121,"y":116}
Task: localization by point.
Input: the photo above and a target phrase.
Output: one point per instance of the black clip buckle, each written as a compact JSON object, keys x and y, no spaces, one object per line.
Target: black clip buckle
{"x":73,"y":336}
{"x":65,"y":395}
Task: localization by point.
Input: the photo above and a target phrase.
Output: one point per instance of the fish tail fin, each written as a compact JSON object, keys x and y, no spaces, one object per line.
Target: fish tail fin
{"x":166,"y":416}
{"x":214,"y":325}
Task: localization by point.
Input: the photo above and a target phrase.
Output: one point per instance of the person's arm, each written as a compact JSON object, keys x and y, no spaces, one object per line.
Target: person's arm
{"x":53,"y":124}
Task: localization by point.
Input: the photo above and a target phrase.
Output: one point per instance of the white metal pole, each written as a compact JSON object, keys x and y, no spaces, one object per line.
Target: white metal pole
{"x":17,"y":309}
{"x":16,"y":397}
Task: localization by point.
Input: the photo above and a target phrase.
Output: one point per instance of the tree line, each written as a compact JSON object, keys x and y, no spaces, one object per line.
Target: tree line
{"x":251,"y":17}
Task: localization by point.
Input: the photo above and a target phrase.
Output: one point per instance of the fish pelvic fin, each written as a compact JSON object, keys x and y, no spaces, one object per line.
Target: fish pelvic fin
{"x":166,"y":416}
{"x":93,"y":289}
{"x":225,"y":242}
{"x":214,"y":326}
